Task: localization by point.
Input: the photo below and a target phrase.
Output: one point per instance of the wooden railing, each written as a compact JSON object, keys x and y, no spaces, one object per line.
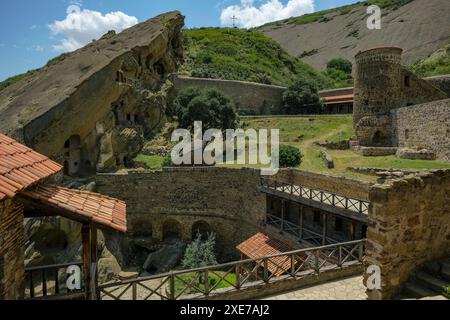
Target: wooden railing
{"x":301,"y":233}
{"x":50,"y":282}
{"x":323,"y":197}
{"x":235,"y":276}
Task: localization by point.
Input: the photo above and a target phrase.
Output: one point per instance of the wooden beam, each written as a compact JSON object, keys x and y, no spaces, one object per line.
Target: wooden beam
{"x":86,"y":240}
{"x":301,"y":209}
{"x":94,"y":263}
{"x":324,"y":228}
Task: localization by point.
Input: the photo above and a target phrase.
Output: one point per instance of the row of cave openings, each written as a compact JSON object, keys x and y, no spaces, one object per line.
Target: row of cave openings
{"x":158,"y":68}
{"x":172,"y":230}
{"x":125,"y":118}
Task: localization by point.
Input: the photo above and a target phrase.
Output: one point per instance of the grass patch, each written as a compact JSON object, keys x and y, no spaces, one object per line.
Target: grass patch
{"x":302,"y":132}
{"x":435,"y":65}
{"x":214,"y":282}
{"x":153,"y":162}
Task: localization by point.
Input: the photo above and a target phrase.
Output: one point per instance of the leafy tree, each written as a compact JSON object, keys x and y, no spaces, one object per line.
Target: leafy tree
{"x":340,"y":64}
{"x":208,"y":105}
{"x":290,"y":157}
{"x":200,"y":253}
{"x":302,"y":97}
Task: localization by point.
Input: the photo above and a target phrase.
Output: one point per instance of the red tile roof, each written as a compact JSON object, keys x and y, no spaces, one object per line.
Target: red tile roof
{"x":261,"y":245}
{"x":87,"y":206}
{"x":21,"y":167}
{"x":348,"y":98}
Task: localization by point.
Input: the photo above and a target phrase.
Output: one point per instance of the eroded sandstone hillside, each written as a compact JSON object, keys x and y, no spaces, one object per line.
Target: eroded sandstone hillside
{"x":420,"y":27}
{"x":91,"y":109}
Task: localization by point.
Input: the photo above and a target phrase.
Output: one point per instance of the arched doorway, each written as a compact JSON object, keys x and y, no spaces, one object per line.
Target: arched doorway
{"x":201,"y":227}
{"x":171,"y":230}
{"x":380,"y":139}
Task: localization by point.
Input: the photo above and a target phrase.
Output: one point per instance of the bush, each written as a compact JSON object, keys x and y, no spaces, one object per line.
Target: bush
{"x":340,"y":64}
{"x":290,"y":157}
{"x":167,"y":162}
{"x":200,"y":253}
{"x":302,"y":97}
{"x":208,"y":105}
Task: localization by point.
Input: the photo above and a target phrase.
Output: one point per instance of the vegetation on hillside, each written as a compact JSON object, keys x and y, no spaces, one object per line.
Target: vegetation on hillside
{"x":246,"y":55}
{"x":10,"y":81}
{"x":324,"y":15}
{"x":435,"y":65}
{"x":340,"y":70}
{"x":290,"y":157}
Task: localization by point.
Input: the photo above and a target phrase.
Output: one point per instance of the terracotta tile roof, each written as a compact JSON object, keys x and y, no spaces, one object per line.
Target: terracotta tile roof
{"x":348,"y":98}
{"x":87,"y":206}
{"x":21,"y":167}
{"x":261,"y":245}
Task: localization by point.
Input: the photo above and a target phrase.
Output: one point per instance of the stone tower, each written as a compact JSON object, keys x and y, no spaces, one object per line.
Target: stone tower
{"x":378,"y":89}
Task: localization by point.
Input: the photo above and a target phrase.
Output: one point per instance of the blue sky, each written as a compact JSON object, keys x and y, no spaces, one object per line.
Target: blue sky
{"x":27,"y":41}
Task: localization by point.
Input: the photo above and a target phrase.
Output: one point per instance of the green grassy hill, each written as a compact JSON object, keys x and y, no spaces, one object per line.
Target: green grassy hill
{"x":235,"y":54}
{"x":435,"y":65}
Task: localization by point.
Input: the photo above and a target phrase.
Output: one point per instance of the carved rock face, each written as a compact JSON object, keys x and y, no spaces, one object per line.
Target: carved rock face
{"x":95,"y":93}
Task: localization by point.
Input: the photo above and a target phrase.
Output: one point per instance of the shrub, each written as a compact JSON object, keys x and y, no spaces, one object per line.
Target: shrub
{"x":200,"y":253}
{"x":208,"y":105}
{"x":302,"y":97}
{"x":167,"y":162}
{"x":341,"y":64}
{"x":290,"y":157}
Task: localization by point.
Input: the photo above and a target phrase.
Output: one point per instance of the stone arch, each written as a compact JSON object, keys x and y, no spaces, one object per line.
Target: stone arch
{"x":171,"y":230}
{"x":379,"y":139}
{"x":202,"y":227}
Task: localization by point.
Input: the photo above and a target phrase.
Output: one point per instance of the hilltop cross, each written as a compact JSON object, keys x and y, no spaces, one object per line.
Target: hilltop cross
{"x":234,"y":21}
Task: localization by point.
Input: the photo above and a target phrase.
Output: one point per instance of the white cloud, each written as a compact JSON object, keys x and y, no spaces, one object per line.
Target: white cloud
{"x":82,"y":26}
{"x":250,"y":15}
{"x":33,"y":27}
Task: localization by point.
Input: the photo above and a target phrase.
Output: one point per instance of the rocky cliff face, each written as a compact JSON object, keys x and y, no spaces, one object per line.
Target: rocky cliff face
{"x":420,"y":27}
{"x":92,"y":108}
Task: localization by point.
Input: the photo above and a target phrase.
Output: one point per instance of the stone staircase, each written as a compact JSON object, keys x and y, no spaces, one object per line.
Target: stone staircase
{"x":429,"y":282}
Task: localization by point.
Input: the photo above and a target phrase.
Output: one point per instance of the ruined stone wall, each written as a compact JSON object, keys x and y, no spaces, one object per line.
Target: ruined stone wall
{"x":250,"y":98}
{"x":11,"y":250}
{"x":228,"y":200}
{"x":381,"y":85}
{"x":409,"y":224}
{"x":425,"y":126}
{"x":441,"y":82}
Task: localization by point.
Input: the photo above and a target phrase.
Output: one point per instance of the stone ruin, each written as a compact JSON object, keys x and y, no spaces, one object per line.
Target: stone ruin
{"x":92,"y":108}
{"x":393,"y":109}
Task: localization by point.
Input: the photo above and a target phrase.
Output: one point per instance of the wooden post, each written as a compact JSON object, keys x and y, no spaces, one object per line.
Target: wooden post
{"x":86,"y":239}
{"x":283,"y":203}
{"x":324,"y":228}
{"x":94,"y":263}
{"x":353,"y":230}
{"x":301,"y":222}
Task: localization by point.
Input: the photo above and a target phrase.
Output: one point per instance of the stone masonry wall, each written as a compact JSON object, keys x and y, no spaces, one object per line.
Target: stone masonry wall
{"x":425,"y":126}
{"x":250,"y":98}
{"x":228,"y":200}
{"x":409,"y":224}
{"x":11,"y":251}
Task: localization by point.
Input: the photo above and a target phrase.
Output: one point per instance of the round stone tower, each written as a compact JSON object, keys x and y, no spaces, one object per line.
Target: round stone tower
{"x":378,"y":80}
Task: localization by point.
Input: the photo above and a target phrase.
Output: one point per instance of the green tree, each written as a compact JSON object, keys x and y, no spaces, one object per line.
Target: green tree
{"x":208,"y":105}
{"x":302,"y":97}
{"x":340,"y":64}
{"x":200,"y":253}
{"x":290,"y":157}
